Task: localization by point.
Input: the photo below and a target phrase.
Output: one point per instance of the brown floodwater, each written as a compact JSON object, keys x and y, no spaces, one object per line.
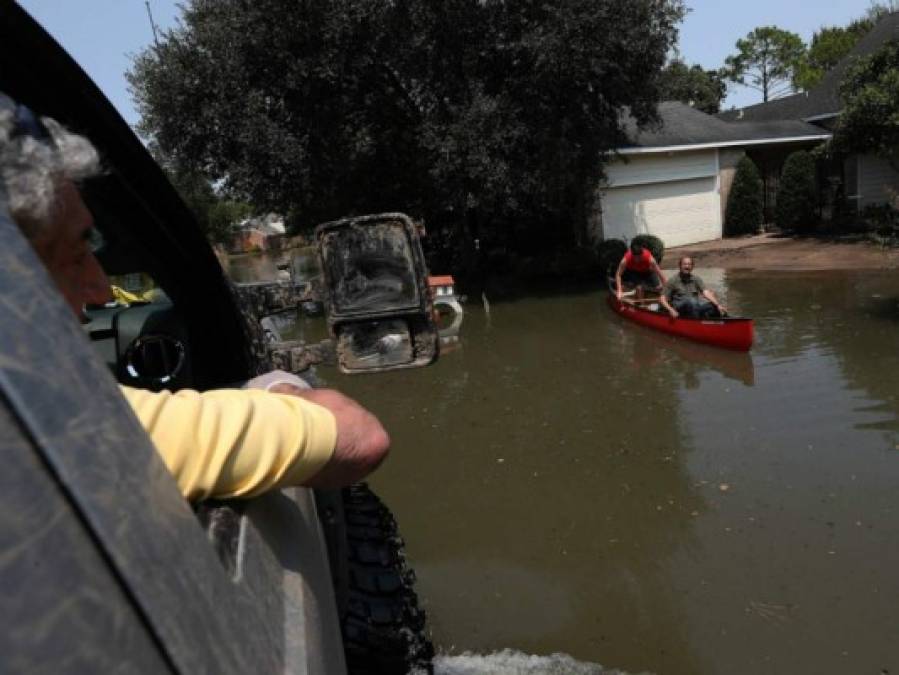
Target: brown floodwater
{"x":569,"y":482}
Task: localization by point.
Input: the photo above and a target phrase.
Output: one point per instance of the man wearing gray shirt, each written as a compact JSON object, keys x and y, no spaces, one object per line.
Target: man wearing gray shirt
{"x":686,"y":295}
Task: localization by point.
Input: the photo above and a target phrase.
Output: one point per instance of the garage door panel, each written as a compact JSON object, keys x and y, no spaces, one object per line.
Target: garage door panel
{"x":642,"y":170}
{"x":679,"y":212}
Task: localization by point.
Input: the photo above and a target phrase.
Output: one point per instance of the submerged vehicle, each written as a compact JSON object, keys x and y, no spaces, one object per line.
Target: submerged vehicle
{"x":106,"y":567}
{"x":727,"y":332}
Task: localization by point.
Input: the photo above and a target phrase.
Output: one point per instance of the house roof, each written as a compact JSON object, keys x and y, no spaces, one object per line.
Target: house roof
{"x":685,"y":128}
{"x":822,"y":100}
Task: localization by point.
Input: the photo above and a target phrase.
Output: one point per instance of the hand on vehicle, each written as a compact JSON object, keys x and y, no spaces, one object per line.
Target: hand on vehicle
{"x":362,"y":443}
{"x":674,"y":313}
{"x":270,"y":380}
{"x":618,"y":294}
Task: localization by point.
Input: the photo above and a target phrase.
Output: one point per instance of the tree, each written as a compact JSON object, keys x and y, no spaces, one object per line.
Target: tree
{"x":880,"y":9}
{"x":487,"y":117}
{"x":766,"y":60}
{"x":215,"y":214}
{"x":827,"y":48}
{"x":870,"y":93}
{"x":745,"y":206}
{"x":797,"y":194}
{"x":702,"y":89}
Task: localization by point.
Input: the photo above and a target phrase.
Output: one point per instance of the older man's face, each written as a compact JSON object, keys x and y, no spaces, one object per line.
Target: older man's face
{"x":65,"y":251}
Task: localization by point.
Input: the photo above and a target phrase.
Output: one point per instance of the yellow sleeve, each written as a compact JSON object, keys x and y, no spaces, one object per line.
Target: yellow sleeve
{"x":235,"y":442}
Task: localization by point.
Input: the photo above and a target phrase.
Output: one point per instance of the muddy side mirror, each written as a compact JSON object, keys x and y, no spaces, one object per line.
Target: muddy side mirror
{"x":377,"y":300}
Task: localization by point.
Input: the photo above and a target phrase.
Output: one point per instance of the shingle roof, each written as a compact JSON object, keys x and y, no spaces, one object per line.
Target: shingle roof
{"x":824,"y":98}
{"x":685,"y":126}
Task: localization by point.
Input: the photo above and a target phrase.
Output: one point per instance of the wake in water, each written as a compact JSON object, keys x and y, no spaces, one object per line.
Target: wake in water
{"x":511,"y":662}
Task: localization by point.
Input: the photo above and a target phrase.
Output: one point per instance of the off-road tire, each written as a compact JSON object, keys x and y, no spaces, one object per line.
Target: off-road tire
{"x":383,"y":626}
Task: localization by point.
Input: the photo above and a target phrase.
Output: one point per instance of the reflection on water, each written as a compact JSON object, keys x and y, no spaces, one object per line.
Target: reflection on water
{"x":569,"y":482}
{"x":652,"y":349}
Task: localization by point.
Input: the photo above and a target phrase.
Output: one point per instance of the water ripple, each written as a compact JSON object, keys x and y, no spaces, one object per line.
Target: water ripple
{"x":512,"y":662}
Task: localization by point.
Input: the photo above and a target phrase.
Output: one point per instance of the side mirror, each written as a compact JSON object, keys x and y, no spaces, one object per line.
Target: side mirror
{"x":377,"y":300}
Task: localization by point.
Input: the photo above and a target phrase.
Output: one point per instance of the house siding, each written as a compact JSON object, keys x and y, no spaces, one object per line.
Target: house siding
{"x":661,"y":167}
{"x":878,"y":182}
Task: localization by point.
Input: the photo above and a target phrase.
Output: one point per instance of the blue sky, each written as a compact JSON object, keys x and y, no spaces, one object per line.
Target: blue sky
{"x":102,"y":34}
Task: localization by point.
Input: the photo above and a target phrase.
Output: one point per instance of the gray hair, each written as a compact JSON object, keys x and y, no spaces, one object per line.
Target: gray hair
{"x":32,"y":170}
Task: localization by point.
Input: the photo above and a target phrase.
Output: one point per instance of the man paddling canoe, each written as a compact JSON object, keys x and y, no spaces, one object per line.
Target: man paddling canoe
{"x":639,"y":268}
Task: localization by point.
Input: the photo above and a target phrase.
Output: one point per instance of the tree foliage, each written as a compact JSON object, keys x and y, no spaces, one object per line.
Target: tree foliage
{"x":797,"y":194}
{"x":870,"y":93}
{"x":827,"y":48}
{"x":215,"y":214}
{"x":831,"y":44}
{"x":487,"y":117}
{"x":609,"y":253}
{"x":880,"y":8}
{"x":703,"y":89}
{"x":745,"y":205}
{"x":766,"y":60}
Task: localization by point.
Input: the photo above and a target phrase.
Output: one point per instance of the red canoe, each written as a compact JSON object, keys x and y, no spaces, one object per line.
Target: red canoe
{"x":729,"y":332}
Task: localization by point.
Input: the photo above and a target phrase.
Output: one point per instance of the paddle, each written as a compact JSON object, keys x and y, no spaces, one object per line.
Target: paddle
{"x":640,"y":301}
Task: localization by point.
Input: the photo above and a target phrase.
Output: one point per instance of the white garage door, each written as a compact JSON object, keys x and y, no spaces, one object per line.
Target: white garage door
{"x":678,"y":212}
{"x":671,"y":195}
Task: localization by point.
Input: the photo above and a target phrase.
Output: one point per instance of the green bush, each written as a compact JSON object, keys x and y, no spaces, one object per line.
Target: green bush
{"x":609,"y":252}
{"x":797,"y":194}
{"x":655,"y":245}
{"x":881,"y":219}
{"x":745,"y":206}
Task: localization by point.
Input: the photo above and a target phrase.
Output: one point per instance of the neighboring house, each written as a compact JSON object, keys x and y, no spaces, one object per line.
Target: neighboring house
{"x":265,"y":233}
{"x":673,"y":181}
{"x":863,"y":179}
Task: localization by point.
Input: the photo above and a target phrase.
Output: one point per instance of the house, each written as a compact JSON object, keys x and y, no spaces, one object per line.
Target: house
{"x":673,"y":180}
{"x":863,"y":179}
{"x":265,"y":233}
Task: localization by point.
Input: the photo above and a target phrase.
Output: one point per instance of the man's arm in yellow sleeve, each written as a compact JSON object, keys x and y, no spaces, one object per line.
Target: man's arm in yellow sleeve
{"x":240,"y":443}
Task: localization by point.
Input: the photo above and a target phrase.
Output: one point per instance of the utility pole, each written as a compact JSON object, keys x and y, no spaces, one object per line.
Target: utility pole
{"x":152,"y":24}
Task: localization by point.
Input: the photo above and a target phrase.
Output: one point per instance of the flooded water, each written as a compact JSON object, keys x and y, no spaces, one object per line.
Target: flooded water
{"x":570,"y":484}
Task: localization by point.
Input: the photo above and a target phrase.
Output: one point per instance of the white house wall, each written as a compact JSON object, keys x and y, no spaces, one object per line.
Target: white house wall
{"x":674,"y":196}
{"x":643,"y":169}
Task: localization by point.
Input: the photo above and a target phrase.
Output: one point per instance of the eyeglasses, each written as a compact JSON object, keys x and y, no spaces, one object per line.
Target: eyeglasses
{"x":95,"y":240}
{"x":25,"y":122}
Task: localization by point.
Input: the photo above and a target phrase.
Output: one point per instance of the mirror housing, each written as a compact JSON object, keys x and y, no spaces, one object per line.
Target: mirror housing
{"x":377,"y":299}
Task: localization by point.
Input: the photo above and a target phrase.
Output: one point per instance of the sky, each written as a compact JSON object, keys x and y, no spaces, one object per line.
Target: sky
{"x":102,"y":35}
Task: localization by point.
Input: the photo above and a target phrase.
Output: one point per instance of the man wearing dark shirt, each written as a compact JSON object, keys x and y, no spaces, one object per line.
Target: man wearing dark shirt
{"x":686,"y":295}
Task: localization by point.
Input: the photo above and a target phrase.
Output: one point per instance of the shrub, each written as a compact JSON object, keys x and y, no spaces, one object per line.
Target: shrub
{"x":609,"y":252}
{"x":881,"y":219}
{"x":574,"y":263}
{"x":797,"y":193}
{"x":745,"y":206}
{"x":655,"y":245}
